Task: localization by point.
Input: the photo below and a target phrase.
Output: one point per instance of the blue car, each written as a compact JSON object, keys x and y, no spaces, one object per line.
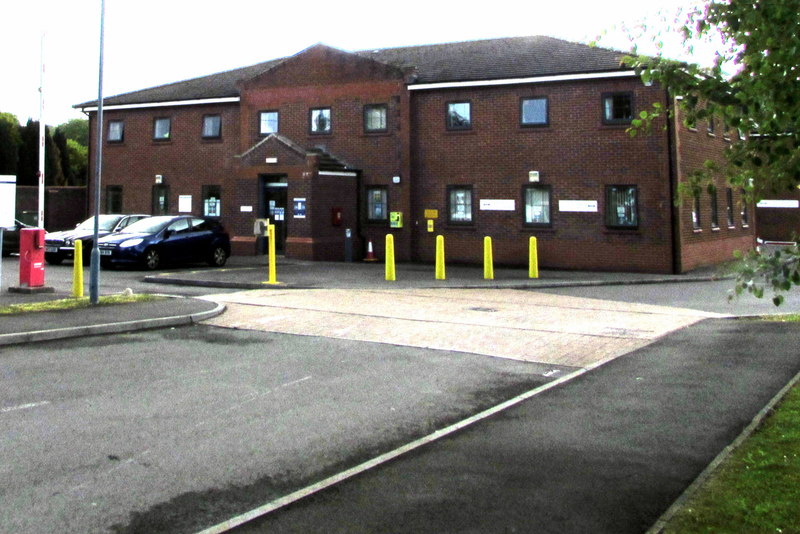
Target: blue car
{"x":155,"y":241}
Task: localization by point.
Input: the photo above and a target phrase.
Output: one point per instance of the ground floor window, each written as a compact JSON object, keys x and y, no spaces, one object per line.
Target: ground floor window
{"x":745,"y":216}
{"x":459,"y":204}
{"x":536,"y":199}
{"x":113,"y":199}
{"x":621,"y":206}
{"x":212,"y":204}
{"x":377,"y":204}
{"x":729,"y":206}
{"x":696,"y":223}
{"x":714,"y":213}
{"x":160,"y":199}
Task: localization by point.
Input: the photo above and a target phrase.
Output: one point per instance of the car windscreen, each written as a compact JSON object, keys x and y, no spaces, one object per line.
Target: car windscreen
{"x":150,"y":225}
{"x":105,"y":222}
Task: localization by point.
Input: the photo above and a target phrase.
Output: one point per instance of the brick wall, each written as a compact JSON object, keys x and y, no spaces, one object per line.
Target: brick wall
{"x":576,"y":155}
{"x":708,"y":244}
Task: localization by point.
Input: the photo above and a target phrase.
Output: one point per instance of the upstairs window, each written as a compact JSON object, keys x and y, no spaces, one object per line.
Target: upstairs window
{"x":116,"y":131}
{"x":459,"y":116}
{"x":212,"y":127}
{"x":320,"y":120}
{"x":617,"y":108}
{"x":622,"y":209}
{"x":268,"y":122}
{"x":459,"y":204}
{"x":533,"y":112}
{"x":375,"y":118}
{"x":162,"y":129}
{"x":377,"y":204}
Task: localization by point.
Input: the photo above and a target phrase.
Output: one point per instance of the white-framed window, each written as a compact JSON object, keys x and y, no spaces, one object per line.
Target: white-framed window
{"x":268,"y":122}
{"x":375,"y":116}
{"x":622,"y":210}
{"x":696,"y":222}
{"x":536,"y":200}
{"x":116,"y":131}
{"x":729,"y":207}
{"x":162,"y":129}
{"x":459,"y":115}
{"x":212,"y":126}
{"x":320,"y":121}
{"x":377,"y":204}
{"x":534,"y":112}
{"x":459,"y":204}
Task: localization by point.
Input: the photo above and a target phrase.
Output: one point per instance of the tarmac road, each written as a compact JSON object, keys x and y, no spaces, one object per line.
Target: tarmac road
{"x":175,"y":429}
{"x":607,"y":452}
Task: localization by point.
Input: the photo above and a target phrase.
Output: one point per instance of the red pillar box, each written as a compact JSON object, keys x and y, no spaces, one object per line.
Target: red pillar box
{"x":31,"y":257}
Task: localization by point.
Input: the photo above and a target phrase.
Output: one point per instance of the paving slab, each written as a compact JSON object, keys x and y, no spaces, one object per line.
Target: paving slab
{"x":526,"y":326}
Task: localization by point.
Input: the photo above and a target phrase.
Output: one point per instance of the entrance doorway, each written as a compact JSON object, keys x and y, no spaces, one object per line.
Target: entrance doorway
{"x":273,"y":207}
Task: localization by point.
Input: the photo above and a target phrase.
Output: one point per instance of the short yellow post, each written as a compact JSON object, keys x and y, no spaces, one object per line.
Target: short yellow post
{"x":273,"y":279}
{"x":77,"y":270}
{"x":390,"y":271}
{"x":488,"y":259}
{"x":533,"y":260}
{"x":440,"y":275}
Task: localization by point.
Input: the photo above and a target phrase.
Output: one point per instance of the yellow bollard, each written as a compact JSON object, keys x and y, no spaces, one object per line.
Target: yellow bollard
{"x":273,"y":279}
{"x":440,"y":257}
{"x":390,"y":271}
{"x":77,"y":270}
{"x":488,"y":259}
{"x":533,"y":263}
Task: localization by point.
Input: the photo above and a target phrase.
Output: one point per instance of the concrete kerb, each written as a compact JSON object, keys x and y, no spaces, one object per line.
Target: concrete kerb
{"x":110,"y":328}
{"x":170,"y":279}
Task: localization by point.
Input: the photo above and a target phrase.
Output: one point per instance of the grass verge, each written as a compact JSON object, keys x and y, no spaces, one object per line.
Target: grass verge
{"x":757,"y":488}
{"x":73,"y":303}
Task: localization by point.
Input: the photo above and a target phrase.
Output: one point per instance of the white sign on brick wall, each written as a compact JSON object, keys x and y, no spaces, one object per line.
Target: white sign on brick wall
{"x":585,"y":206}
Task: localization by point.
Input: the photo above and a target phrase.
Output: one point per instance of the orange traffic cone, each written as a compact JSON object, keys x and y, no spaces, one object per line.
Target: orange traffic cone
{"x":370,"y":254}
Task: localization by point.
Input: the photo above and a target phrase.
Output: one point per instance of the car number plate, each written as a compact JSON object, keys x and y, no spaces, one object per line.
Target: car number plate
{"x":51,"y":249}
{"x":105,"y":252}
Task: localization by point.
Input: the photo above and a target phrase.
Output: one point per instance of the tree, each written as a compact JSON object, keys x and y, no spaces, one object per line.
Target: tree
{"x":10,"y":141}
{"x":72,"y":139}
{"x":77,"y":130}
{"x":28,"y":164}
{"x":761,"y":99}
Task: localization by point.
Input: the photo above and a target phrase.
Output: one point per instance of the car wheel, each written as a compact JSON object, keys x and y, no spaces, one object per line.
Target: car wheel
{"x":53,"y":259}
{"x":218,"y":257}
{"x":152,"y":259}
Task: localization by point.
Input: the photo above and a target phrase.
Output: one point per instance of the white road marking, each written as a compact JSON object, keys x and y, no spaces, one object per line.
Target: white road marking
{"x":23,"y":406}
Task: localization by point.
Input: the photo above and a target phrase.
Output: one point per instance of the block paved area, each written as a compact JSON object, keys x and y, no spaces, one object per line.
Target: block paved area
{"x":522,"y":325}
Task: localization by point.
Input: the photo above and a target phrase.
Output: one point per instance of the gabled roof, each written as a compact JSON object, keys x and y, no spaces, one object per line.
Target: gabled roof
{"x":489,"y":59}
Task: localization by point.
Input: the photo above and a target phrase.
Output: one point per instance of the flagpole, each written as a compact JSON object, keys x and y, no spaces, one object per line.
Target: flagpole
{"x":42,"y":127}
{"x":94,"y":266}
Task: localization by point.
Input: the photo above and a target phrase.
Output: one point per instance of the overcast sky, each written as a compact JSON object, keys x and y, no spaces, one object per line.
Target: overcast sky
{"x":152,"y":42}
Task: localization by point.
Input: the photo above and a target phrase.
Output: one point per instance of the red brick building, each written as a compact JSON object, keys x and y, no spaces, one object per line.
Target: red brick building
{"x":509,"y":138}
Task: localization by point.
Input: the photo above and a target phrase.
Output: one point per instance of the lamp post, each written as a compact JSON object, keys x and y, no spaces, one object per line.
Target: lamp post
{"x":94,"y":267}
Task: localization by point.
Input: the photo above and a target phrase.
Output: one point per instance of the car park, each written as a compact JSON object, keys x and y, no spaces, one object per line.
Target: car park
{"x":156,"y":241}
{"x":11,"y":237}
{"x":60,"y":246}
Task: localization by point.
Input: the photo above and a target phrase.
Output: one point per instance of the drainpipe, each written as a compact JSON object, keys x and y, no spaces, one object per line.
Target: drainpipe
{"x":672,"y":148}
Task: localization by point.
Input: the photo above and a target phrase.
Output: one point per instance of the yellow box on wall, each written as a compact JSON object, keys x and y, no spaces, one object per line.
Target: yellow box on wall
{"x":395,"y":219}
